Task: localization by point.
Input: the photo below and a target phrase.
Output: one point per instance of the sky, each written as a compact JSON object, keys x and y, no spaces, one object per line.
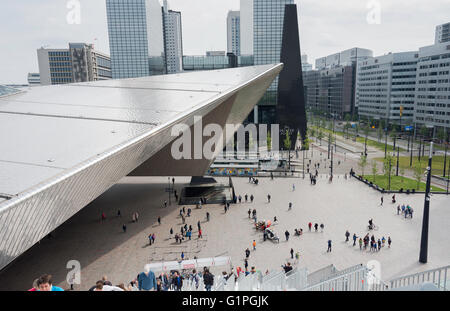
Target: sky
{"x":326,"y":27}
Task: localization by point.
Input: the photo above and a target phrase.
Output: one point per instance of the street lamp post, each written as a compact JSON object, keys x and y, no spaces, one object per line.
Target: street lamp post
{"x":426,"y":213}
{"x":411,"y":156}
{"x":398,"y":158}
{"x":331,"y":167}
{"x":385,"y":142}
{"x":390,"y":168}
{"x":303,"y":163}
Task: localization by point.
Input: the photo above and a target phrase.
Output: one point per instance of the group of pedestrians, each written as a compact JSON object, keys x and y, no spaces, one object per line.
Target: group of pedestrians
{"x":405,"y":210}
{"x":364,"y":242}
{"x":316,"y":227}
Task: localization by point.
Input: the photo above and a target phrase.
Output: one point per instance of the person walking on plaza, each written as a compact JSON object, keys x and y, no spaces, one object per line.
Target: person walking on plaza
{"x":254,"y":245}
{"x":321,"y":227}
{"x":153,"y":238}
{"x":293,"y":187}
{"x":287,"y":234}
{"x":249,"y":212}
{"x":389,"y":242}
{"x":354,"y":239}
{"x":240,"y":198}
{"x":398,"y":209}
{"x":292,"y":253}
{"x":118,"y":213}
{"x":207,"y":216}
{"x":124,"y":228}
{"x":247,"y":253}
{"x":159,"y":220}
{"x":268,"y":198}
{"x":360,"y":243}
{"x":165,"y":204}
{"x":150,"y":239}
{"x":200,"y":234}
{"x":182,"y":255}
{"x":329,"y":246}
{"x":347,"y":235}
{"x":171,"y":232}
{"x":246,"y":197}
{"x":290,"y":206}
{"x":381,"y":201}
{"x":198,"y":225}
{"x":309,"y":226}
{"x":316,"y":226}
{"x":251,"y":198}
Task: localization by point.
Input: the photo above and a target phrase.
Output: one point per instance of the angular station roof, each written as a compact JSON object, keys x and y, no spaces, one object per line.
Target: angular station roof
{"x":57,"y":142}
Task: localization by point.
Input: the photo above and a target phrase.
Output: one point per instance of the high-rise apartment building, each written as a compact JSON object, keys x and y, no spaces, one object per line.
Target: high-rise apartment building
{"x":234,"y":33}
{"x":305,"y":65}
{"x":136,"y":37}
{"x":79,"y":63}
{"x":385,"y":87}
{"x":246,"y":27}
{"x":442,"y":33}
{"x":432,"y":107}
{"x":173,"y":40}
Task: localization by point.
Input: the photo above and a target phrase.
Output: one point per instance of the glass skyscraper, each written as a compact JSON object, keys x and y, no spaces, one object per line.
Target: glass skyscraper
{"x":135,"y":36}
{"x":268,"y":18}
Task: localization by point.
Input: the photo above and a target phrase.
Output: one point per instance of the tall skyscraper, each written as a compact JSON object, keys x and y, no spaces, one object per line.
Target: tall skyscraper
{"x":135,"y":36}
{"x":173,"y":40}
{"x":246,"y":29}
{"x":234,"y":33}
{"x":268,"y":18}
{"x":442,"y":33}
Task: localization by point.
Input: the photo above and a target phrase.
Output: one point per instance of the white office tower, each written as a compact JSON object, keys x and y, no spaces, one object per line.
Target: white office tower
{"x":432,"y":107}
{"x":385,"y":87}
{"x":173,"y":39}
{"x":442,"y":33}
{"x":234,"y":33}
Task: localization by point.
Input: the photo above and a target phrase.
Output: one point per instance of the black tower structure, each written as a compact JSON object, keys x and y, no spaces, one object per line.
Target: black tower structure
{"x":291,"y":111}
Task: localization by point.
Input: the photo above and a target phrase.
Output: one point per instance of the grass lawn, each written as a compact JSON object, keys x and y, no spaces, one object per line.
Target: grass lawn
{"x":398,"y":182}
{"x":437,"y":164}
{"x":361,"y":139}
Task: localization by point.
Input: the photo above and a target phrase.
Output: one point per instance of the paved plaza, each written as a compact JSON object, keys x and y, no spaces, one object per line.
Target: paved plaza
{"x":103,"y":248}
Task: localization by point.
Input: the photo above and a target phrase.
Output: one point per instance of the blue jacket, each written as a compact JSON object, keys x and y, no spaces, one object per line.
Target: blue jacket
{"x":147,"y":282}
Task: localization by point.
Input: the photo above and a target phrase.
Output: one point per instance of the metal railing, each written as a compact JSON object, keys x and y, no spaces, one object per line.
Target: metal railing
{"x":353,"y":280}
{"x":439,"y":277}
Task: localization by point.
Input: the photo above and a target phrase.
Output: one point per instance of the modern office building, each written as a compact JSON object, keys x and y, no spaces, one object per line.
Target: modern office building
{"x":246,"y":29}
{"x":79,"y":63}
{"x":212,"y":62}
{"x":442,"y":33}
{"x":173,"y":40}
{"x":305,"y":65}
{"x":385,"y":87}
{"x":344,"y":58}
{"x":330,"y":88}
{"x":268,"y":18}
{"x":136,"y":37}
{"x":34,"y":79}
{"x":330,"y":91}
{"x":216,"y":53}
{"x":234,"y":33}
{"x":432,"y":96}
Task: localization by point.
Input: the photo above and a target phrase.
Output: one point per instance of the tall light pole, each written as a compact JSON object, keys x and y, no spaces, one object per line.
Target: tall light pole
{"x":398,"y":158}
{"x":426,"y":212}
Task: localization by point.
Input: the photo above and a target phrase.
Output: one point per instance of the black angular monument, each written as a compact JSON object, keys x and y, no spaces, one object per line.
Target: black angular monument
{"x":291,"y":111}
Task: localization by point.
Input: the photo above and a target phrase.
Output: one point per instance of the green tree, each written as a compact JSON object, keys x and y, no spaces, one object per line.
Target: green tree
{"x":320,"y":136}
{"x":363,"y":163}
{"x":374,"y":169}
{"x":379,"y":133}
{"x":287,"y":141}
{"x":386,"y":164}
{"x":418,"y":172}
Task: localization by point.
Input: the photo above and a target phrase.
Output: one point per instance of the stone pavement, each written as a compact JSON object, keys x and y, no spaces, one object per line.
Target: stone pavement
{"x":102,"y":248}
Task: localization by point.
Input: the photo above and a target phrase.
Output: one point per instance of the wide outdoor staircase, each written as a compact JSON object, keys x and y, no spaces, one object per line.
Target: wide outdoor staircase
{"x":355,"y":278}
